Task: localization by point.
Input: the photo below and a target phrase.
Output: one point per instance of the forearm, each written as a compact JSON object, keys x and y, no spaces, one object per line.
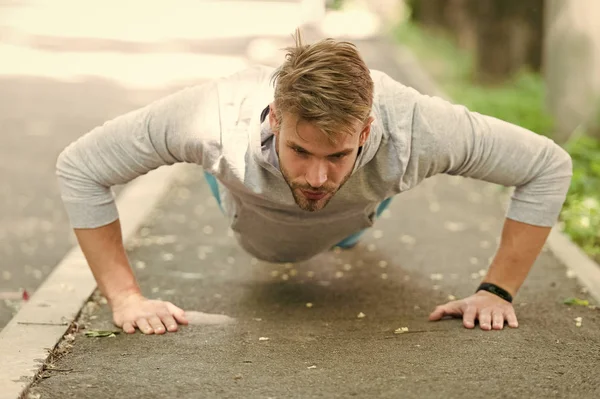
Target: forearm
{"x":520,"y":245}
{"x":105,"y":253}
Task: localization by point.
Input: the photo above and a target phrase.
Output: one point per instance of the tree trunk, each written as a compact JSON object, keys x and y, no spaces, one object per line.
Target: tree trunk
{"x":571,"y":65}
{"x":509,"y":36}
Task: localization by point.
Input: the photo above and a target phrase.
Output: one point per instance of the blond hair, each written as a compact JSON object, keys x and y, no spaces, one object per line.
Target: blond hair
{"x":326,"y":83}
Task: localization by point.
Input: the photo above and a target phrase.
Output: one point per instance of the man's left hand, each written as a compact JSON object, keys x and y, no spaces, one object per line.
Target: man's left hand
{"x":489,"y":309}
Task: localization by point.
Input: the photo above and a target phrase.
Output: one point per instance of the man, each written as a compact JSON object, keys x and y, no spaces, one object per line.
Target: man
{"x":305,"y":158}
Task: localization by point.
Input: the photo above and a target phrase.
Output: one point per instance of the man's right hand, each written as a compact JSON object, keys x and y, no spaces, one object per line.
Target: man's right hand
{"x":150,"y":316}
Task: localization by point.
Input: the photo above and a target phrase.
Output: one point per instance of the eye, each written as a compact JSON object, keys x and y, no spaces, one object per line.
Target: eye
{"x":300,"y":151}
{"x":337,"y":156}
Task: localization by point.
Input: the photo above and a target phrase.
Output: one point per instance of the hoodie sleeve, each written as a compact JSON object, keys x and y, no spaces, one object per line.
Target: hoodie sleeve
{"x":182,"y":127}
{"x":448,"y":138}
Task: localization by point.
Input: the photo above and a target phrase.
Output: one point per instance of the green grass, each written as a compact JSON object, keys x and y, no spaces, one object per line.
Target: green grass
{"x":519,"y":101}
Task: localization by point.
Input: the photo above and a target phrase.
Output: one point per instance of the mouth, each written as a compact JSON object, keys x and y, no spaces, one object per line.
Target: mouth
{"x":314,"y":195}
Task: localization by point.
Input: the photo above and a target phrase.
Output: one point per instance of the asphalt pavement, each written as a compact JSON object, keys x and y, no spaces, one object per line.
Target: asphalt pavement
{"x":348,"y":323}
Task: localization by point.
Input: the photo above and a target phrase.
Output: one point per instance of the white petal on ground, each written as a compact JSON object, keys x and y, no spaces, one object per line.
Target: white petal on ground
{"x":309,"y":304}
{"x":371,"y":247}
{"x":482,"y":272}
{"x":263,"y":339}
{"x":339,"y":274}
{"x":166,"y":256}
{"x":155,"y":290}
{"x":311,"y":367}
{"x":140,"y":265}
{"x":310,"y":274}
{"x":384,"y":276}
{"x":274,"y":273}
{"x":434,"y":207}
{"x":293,"y":272}
{"x":436,"y":276}
{"x":455,"y":227}
{"x":383,"y":264}
{"x":378,"y":234}
{"x":571,"y":273}
{"x":361,"y":315}
{"x":484,"y":244}
{"x":186,"y":275}
{"x":285,"y":277}
{"x":473,"y":260}
{"x":451,"y":297}
{"x":207,"y":229}
{"x":347,"y":266}
{"x":401,"y":330}
{"x":406,"y":239}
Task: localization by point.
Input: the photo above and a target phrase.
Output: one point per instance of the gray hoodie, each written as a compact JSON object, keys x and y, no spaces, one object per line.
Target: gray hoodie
{"x":217,"y":125}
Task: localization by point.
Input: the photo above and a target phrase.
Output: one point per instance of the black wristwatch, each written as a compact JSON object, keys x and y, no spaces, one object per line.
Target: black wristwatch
{"x":494,"y":289}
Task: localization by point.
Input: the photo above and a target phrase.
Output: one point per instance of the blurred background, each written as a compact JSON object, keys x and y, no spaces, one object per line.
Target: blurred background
{"x":67,"y":66}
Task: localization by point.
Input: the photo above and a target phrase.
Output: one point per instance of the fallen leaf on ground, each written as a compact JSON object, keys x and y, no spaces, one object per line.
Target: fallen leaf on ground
{"x":101,"y":333}
{"x":576,"y":301}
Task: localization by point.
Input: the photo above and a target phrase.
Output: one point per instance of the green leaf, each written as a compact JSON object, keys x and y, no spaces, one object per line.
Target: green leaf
{"x":576,"y":301}
{"x":101,"y":333}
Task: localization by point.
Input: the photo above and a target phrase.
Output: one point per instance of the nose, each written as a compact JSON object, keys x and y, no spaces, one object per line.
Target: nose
{"x":316,"y":175}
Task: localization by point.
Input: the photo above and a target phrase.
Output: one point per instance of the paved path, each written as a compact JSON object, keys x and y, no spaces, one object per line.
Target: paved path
{"x":434,"y":242}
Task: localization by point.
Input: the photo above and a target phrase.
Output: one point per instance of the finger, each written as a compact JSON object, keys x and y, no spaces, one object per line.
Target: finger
{"x":178,"y":313}
{"x":437,"y":313}
{"x":128,"y":327}
{"x":469,"y":316}
{"x":169,"y":321}
{"x":485,"y":319}
{"x":156,"y":325}
{"x":511,"y":318}
{"x":144,"y":326}
{"x":497,"y":320}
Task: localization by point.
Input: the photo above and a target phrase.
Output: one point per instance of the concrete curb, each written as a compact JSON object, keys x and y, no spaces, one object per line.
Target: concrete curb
{"x":42,"y":321}
{"x":568,"y":253}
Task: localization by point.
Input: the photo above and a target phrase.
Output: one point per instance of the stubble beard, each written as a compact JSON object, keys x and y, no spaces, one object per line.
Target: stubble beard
{"x":307,"y":204}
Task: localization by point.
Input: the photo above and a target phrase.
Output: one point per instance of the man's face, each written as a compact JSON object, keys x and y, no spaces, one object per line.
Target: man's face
{"x":313,"y":167}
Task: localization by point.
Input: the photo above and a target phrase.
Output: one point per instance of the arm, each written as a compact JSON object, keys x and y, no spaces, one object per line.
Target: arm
{"x":177,"y":128}
{"x":449,"y":139}
{"x":520,"y":245}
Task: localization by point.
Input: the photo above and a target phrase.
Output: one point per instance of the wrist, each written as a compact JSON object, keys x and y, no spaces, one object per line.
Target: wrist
{"x":118,"y":297}
{"x":495,"y":289}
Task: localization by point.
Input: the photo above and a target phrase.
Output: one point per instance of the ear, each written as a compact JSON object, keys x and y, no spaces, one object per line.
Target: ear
{"x":364,"y":134}
{"x":273,"y":119}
